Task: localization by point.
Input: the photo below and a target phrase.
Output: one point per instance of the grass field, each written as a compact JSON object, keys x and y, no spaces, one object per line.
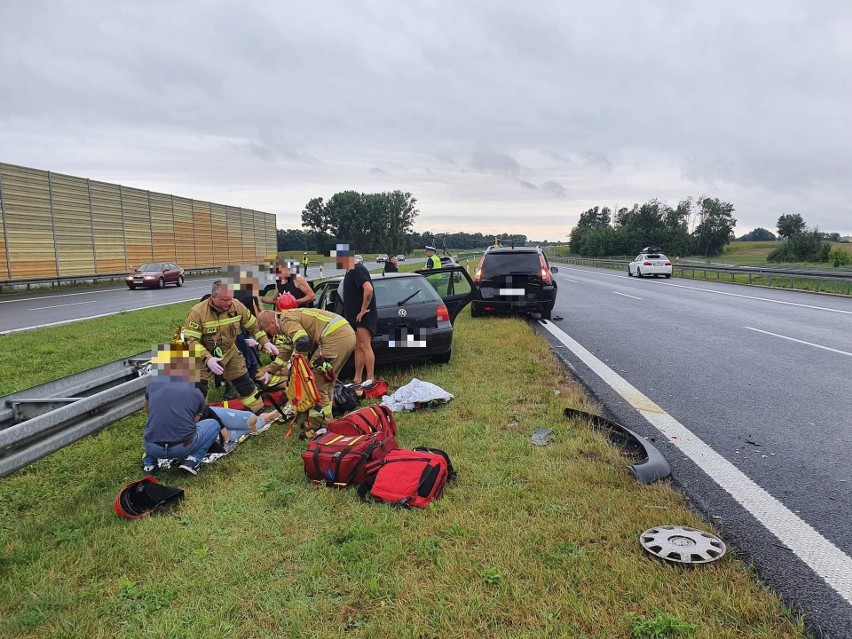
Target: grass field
{"x":529,"y":542}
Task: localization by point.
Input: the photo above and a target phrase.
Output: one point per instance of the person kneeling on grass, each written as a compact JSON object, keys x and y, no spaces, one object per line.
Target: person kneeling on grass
{"x":175,"y":428}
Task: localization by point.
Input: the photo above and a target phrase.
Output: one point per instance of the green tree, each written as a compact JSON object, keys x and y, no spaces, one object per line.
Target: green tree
{"x":790,"y":225}
{"x":758,"y":235}
{"x":839,"y":257}
{"x":716,"y":223}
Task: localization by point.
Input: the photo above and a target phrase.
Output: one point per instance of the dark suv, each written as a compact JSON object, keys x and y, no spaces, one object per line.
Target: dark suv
{"x":514,"y":279}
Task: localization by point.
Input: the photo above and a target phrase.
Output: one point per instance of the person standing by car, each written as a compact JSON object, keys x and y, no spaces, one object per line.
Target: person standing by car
{"x":432,"y":260}
{"x":392,"y":264}
{"x":288,"y":280}
{"x":359,"y":309}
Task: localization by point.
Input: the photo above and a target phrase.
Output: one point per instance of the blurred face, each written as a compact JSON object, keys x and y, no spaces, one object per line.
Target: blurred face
{"x":222,"y":299}
{"x":184,"y":368}
{"x":347,"y":262}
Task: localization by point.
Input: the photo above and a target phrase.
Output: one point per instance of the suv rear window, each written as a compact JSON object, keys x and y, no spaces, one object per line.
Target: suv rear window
{"x":497,"y":264}
{"x":392,"y":290}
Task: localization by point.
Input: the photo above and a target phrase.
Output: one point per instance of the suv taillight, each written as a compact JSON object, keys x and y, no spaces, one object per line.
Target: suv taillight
{"x":442,"y":314}
{"x":477,"y":273}
{"x":545,"y":272}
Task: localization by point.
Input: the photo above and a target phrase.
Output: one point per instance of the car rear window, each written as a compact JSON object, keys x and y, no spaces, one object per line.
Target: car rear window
{"x":656,"y":257}
{"x":392,"y":290}
{"x":150,"y":267}
{"x":497,"y":264}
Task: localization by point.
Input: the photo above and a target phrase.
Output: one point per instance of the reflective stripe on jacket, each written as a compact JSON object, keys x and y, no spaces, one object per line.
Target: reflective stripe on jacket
{"x":207,"y":327}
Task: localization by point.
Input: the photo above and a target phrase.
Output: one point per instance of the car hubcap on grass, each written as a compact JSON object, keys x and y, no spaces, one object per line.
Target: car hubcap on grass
{"x":682,"y":544}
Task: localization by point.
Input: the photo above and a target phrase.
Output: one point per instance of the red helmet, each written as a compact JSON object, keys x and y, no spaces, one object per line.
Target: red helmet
{"x":286,"y":302}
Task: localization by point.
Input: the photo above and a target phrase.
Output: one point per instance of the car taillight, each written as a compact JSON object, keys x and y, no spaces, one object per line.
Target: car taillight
{"x":442,"y":314}
{"x":646,"y":264}
{"x":477,"y":273}
{"x":668,"y":263}
{"x":545,"y":272}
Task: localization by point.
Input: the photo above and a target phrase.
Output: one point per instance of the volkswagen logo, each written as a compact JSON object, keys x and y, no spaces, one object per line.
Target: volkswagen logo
{"x":402,"y":312}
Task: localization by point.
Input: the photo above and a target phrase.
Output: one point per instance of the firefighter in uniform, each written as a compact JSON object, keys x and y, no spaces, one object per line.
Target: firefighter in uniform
{"x":211,"y":331}
{"x":432,"y":260}
{"x":325,"y":338}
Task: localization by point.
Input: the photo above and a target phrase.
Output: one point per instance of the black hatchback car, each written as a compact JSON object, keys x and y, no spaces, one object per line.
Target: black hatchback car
{"x":416,"y":312}
{"x":514,"y":279}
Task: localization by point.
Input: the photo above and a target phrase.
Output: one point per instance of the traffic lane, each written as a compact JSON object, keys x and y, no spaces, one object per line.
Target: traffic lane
{"x":759,"y":404}
{"x":57,"y":306}
{"x":52,"y":310}
{"x":800,"y":586}
{"x":667,"y":366}
{"x":827,"y":318}
{"x":729,"y":291}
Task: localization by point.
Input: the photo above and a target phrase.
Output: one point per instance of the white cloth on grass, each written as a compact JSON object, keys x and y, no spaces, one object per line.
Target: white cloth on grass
{"x":415,"y":392}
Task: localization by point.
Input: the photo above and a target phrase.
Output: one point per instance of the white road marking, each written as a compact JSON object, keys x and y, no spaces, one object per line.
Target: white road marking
{"x":82,"y":319}
{"x":823,"y":557}
{"x":799,"y":341}
{"x":41,"y":308}
{"x":123,"y":289}
{"x":570,"y":280}
{"x":710,"y":290}
{"x":633,"y":297}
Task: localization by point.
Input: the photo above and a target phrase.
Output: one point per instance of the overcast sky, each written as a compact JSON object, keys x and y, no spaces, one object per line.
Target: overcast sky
{"x":498,"y":116}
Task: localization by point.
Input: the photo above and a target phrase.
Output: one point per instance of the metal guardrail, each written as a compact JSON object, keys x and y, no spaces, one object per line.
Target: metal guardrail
{"x":41,"y":420}
{"x":840,"y":281}
{"x":53,"y":282}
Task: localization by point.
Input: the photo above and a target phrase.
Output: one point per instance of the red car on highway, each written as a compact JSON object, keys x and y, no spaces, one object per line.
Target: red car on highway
{"x":155,"y":275}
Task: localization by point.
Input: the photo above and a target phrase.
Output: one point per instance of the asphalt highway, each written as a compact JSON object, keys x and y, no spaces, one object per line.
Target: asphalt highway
{"x":53,"y":307}
{"x":760,"y":376}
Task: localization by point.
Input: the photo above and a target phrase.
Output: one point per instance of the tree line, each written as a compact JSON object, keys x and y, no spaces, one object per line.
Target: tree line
{"x":375,"y":223}
{"x":805,"y":244}
{"x":701,"y":226}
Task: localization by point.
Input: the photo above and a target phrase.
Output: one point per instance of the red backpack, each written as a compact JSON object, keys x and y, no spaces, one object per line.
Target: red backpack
{"x":364,"y":421}
{"x":339,"y":460}
{"x":408,"y":478}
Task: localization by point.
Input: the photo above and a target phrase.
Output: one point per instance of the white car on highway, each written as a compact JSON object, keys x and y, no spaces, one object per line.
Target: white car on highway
{"x":650,"y":264}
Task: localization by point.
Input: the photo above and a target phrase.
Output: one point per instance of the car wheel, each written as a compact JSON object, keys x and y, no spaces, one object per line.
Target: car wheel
{"x":546,"y":313}
{"x":180,"y":280}
{"x":629,"y":272}
{"x":132,"y":287}
{"x":474,"y":311}
{"x":161,"y":283}
{"x":638,"y":272}
{"x":668,"y":276}
{"x":443,"y":358}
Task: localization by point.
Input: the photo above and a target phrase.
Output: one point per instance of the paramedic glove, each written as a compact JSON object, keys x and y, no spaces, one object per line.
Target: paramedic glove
{"x":214,"y":365}
{"x":271,"y":348}
{"x":251,"y":343}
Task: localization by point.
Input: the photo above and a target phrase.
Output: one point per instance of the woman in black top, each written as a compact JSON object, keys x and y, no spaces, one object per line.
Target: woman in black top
{"x":392,"y":264}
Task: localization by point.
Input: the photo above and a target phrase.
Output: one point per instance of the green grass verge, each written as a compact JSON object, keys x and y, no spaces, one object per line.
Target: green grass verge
{"x":530,"y":541}
{"x":46,"y":354}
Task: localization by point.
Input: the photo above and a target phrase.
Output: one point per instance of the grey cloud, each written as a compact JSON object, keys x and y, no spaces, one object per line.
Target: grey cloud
{"x":528,"y":185}
{"x":622,"y":101}
{"x":554,"y":188}
{"x":494,"y":162}
{"x":377,"y":171}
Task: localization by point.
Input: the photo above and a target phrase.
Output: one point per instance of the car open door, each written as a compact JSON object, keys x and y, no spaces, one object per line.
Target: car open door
{"x":454,"y":286}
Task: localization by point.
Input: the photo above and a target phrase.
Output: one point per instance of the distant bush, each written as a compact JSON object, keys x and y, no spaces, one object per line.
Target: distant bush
{"x":839,"y":257}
